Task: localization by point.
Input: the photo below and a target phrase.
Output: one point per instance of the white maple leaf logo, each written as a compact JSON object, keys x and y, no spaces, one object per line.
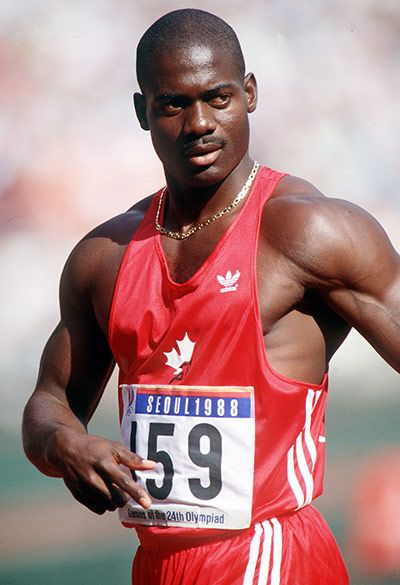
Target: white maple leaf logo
{"x":228,"y":279}
{"x":174,"y":359}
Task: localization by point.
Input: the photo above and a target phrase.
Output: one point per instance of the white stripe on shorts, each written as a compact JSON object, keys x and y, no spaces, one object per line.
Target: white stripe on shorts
{"x":253,"y":556}
{"x":265,"y":554}
{"x":277,"y":553}
{"x":267,"y":550}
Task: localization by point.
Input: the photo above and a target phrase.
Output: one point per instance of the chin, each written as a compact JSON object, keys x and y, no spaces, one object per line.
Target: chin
{"x":204,"y":176}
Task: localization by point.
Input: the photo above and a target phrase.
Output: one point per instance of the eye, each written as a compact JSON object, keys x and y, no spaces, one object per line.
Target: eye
{"x":220,"y":100}
{"x":172,"y":106}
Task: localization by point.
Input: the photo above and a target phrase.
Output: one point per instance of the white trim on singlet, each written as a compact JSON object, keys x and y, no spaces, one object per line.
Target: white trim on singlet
{"x":296,"y":455}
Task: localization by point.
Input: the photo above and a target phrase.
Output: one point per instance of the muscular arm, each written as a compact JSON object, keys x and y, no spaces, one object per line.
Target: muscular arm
{"x":75,"y":367}
{"x":364,"y":280}
{"x":337,"y":249}
{"x":74,"y":370}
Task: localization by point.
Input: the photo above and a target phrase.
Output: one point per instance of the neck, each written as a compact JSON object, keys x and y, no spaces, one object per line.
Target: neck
{"x":187,"y":205}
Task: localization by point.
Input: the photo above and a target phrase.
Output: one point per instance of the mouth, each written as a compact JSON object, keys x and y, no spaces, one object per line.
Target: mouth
{"x":203,"y":154}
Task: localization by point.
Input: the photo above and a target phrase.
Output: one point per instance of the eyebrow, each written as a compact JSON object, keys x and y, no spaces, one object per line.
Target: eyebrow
{"x":168,"y":96}
{"x":217,"y":89}
{"x":207,"y":94}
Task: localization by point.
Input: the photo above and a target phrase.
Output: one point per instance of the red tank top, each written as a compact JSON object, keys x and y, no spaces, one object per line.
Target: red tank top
{"x":207,"y":332}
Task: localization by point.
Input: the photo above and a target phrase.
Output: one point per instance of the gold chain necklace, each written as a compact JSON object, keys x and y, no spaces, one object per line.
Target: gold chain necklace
{"x":183,"y":235}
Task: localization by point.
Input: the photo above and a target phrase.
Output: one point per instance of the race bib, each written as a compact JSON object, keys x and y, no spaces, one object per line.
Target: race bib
{"x":202,"y":438}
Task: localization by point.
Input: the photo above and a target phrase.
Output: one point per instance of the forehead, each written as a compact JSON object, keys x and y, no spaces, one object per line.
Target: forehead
{"x":181,"y":70}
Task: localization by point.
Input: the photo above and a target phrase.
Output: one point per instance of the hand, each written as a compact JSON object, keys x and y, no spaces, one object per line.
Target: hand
{"x":90,"y":468}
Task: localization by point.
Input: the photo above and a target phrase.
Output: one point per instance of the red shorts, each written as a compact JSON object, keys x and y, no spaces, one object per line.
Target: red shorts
{"x":298,"y":549}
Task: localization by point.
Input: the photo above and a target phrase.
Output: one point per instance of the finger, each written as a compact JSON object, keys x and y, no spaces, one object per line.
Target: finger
{"x":108,"y":473}
{"x":93,"y":489}
{"x":118,"y":496}
{"x":130,"y":487}
{"x":90,"y":504}
{"x":131,"y":460}
{"x":93,"y":504}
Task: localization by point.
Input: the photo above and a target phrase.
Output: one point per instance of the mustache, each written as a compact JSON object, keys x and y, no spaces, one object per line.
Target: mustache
{"x":216,"y":140}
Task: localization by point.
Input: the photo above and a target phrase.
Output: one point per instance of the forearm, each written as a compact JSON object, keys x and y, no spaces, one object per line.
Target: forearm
{"x":377,"y":319}
{"x":56,"y":441}
{"x":47,"y":421}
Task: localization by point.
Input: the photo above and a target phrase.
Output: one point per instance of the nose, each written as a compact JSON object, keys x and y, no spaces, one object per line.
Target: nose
{"x":199,"y":120}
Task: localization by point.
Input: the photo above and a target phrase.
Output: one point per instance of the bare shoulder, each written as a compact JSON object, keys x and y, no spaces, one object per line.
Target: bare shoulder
{"x":328,"y":238}
{"x":97,"y":256}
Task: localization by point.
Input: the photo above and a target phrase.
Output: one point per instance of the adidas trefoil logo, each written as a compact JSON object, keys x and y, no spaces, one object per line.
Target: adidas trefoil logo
{"x":176,"y":360}
{"x":229,"y":281}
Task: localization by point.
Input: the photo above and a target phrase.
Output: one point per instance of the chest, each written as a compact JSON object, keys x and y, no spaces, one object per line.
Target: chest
{"x":184,"y":258}
{"x":275,"y":286}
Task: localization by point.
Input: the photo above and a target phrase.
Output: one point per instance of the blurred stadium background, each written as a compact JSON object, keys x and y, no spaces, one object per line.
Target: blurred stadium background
{"x":72,"y":155}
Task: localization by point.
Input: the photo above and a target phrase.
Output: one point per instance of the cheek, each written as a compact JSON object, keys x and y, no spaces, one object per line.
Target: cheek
{"x":236,"y":128}
{"x":163,"y":136}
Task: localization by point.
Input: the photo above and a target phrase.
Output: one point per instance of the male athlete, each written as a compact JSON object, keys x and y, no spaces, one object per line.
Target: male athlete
{"x":222,"y":299}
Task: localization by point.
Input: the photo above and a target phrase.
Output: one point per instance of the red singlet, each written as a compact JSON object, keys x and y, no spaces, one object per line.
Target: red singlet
{"x":206,"y":333}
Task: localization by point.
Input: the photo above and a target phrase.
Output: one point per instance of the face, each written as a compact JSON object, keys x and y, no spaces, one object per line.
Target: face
{"x":196,"y":107}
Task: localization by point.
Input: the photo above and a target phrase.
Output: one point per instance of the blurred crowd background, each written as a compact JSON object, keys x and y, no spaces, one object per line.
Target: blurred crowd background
{"x":72,"y":155}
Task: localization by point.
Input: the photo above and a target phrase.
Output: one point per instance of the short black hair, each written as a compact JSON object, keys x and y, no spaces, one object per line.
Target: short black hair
{"x":183,"y":28}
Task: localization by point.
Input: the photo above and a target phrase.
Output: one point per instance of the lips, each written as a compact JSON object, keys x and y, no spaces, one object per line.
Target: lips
{"x":204,"y":154}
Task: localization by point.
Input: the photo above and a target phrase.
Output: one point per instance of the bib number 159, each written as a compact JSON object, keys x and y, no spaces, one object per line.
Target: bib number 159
{"x":204,"y":449}
{"x":202,"y":440}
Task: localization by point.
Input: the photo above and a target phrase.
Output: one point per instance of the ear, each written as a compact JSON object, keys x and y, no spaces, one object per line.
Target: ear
{"x":141,"y":110}
{"x":250,"y":87}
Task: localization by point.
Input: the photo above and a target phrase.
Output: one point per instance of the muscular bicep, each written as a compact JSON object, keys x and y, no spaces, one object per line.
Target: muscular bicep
{"x":77,"y":360}
{"x":366,"y":288}
{"x":337,"y":249}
